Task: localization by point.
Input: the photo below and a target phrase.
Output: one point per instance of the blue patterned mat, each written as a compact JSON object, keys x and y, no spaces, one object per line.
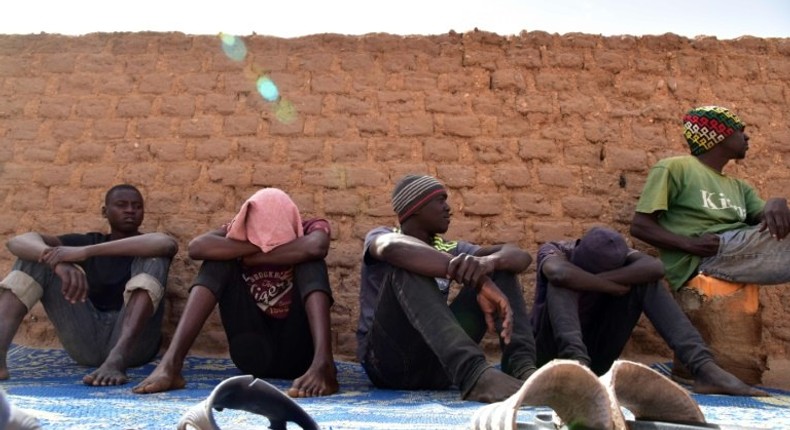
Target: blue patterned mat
{"x":47,"y":384}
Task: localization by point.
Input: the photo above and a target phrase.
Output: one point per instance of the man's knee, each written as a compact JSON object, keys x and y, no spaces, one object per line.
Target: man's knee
{"x":506,"y":280}
{"x":24,"y":287}
{"x":150,"y":275}
{"x":311,"y":272}
{"x":399,"y":277}
{"x":147,"y":283}
{"x":311,"y":277}
{"x":156,"y":267}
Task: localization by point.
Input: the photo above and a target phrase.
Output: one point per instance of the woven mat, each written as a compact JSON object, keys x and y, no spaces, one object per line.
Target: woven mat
{"x":47,"y":384}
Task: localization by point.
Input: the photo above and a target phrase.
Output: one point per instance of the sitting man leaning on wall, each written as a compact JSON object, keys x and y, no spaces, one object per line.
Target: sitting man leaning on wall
{"x":102,"y":292}
{"x":589,"y":296}
{"x":266,"y":271}
{"x":409,"y":336}
{"x":704,"y":221}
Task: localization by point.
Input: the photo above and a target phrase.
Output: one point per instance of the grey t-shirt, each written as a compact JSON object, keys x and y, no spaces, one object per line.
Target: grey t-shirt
{"x":374,"y":271}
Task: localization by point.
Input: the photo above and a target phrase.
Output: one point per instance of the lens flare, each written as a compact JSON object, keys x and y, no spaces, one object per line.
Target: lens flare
{"x":267,"y":89}
{"x":233,"y":47}
{"x":284,"y":111}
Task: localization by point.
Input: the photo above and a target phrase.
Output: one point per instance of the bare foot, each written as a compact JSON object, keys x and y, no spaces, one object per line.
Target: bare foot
{"x":161,"y":379}
{"x":106,"y":374}
{"x":319,"y":380}
{"x":492,"y":386}
{"x":712,"y":379}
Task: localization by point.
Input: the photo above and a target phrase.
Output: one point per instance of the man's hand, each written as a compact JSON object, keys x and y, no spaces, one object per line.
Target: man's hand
{"x":776,"y":218}
{"x":493,"y":303}
{"x":74,"y":284}
{"x":63,"y":254}
{"x":469,"y":270}
{"x":706,"y":245}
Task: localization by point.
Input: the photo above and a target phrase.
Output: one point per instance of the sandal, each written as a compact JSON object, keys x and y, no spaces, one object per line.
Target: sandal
{"x":249,"y":394}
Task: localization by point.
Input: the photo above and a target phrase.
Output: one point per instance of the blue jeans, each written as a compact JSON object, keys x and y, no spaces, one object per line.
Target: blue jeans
{"x":749,"y":256}
{"x":417,"y":341}
{"x":88,"y":334}
{"x":593,"y":328}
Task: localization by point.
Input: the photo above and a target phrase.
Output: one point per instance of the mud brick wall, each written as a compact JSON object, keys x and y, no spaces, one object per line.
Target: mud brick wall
{"x":537,"y":136}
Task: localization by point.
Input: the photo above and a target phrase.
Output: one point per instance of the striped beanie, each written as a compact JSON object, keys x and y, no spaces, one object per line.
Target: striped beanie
{"x":413,"y":192}
{"x":705,"y":126}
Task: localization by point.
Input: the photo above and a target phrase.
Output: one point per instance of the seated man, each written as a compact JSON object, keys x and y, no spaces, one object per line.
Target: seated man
{"x":408,"y":337}
{"x":266,"y":270}
{"x":703,"y":221}
{"x":589,"y":296}
{"x":102,"y":292}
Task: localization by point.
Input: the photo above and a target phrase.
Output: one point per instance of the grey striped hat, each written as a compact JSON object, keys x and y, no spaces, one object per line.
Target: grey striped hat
{"x":413,"y":192}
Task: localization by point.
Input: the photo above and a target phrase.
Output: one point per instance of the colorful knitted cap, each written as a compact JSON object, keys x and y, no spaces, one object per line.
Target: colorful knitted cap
{"x":413,"y":192}
{"x":705,"y":126}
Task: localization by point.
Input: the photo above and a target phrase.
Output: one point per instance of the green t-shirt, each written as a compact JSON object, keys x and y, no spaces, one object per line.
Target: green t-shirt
{"x":694,"y":199}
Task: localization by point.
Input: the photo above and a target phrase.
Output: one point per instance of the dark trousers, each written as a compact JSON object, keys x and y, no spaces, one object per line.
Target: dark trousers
{"x":417,"y":341}
{"x":260,"y":345}
{"x":89,"y":334}
{"x":593,"y":328}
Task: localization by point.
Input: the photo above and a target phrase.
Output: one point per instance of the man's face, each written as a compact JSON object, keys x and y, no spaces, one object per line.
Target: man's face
{"x":435,"y":215}
{"x":124,"y":210}
{"x":736,"y":145}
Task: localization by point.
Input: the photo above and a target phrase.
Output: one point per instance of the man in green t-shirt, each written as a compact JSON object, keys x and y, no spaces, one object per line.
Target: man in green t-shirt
{"x":704,"y":221}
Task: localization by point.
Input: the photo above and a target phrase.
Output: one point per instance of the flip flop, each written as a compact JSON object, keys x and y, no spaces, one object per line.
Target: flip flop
{"x":12,"y":418}
{"x":572,"y":391}
{"x":249,"y":394}
{"x":651,"y":396}
{"x":579,"y":399}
